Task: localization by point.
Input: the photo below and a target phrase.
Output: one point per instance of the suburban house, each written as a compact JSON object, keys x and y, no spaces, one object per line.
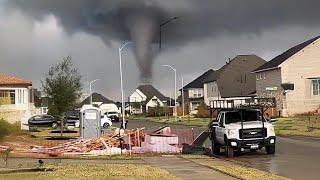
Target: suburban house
{"x":293,"y":78}
{"x":144,"y":98}
{"x":233,"y":80}
{"x":194,"y":92}
{"x":16,"y":99}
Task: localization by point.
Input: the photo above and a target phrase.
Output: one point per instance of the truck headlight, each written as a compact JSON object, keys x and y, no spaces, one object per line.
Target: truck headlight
{"x":271,"y":141}
{"x":232,"y":133}
{"x":272,"y":130}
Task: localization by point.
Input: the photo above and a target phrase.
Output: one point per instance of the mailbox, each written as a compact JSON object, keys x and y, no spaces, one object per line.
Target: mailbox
{"x":90,"y":122}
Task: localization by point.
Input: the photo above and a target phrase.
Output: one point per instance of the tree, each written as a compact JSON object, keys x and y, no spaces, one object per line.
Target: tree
{"x":62,"y":86}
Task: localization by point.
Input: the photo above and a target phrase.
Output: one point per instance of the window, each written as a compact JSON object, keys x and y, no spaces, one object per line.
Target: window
{"x":315,"y":87}
{"x":195,"y":93}
{"x":260,"y":76}
{"x":7,"y":97}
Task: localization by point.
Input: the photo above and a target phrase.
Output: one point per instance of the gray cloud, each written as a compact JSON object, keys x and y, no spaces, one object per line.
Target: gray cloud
{"x":206,"y":34}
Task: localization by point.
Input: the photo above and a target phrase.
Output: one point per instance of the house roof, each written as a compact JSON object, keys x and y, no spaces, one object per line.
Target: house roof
{"x":275,"y":62}
{"x":150,"y":92}
{"x":198,"y":82}
{"x":11,"y":80}
{"x":97,"y":98}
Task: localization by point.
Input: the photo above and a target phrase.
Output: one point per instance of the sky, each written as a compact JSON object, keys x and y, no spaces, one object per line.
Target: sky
{"x":34,"y":36}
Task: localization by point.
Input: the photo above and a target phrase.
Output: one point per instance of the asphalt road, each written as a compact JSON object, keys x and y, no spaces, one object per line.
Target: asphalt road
{"x":297,"y":158}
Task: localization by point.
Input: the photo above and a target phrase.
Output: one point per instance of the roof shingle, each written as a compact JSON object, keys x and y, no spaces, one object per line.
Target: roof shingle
{"x":11,"y":80}
{"x":275,"y":62}
{"x":150,"y":92}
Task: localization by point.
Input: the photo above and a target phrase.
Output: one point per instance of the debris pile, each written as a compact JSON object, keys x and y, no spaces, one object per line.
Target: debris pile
{"x":116,"y":142}
{"x":4,"y":148}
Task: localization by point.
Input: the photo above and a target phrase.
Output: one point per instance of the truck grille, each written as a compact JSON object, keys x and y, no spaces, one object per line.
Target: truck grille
{"x":252,"y":133}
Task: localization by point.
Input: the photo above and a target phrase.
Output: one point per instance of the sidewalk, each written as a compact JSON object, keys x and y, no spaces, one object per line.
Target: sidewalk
{"x":185,"y":169}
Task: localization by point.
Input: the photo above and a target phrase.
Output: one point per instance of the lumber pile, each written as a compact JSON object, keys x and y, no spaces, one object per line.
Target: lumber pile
{"x":107,"y":144}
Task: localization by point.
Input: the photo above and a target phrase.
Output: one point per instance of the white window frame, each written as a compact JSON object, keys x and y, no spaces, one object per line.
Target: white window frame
{"x":318,"y":87}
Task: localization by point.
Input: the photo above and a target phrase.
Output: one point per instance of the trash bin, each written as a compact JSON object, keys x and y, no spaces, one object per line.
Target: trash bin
{"x":90,"y":122}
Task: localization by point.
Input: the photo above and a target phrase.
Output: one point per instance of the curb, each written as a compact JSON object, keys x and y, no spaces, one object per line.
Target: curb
{"x":24,"y":170}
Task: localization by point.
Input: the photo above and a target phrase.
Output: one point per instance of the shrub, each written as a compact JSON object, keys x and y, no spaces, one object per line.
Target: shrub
{"x":9,"y":129}
{"x":203,"y":111}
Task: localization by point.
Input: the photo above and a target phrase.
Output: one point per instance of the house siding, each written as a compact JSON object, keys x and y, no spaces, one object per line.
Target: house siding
{"x":272,"y":80}
{"x":298,"y":70}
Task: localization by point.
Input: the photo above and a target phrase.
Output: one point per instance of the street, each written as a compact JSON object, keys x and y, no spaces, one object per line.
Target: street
{"x":296,"y":158}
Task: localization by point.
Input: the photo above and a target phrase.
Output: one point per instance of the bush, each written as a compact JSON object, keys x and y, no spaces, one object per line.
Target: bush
{"x":203,"y":111}
{"x":9,"y":129}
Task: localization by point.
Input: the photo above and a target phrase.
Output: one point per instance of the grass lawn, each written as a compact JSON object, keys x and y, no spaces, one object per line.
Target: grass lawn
{"x":298,"y":126}
{"x":188,"y":121}
{"x":103,"y":171}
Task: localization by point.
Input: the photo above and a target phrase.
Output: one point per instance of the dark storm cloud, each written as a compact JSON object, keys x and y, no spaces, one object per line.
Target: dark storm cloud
{"x":139,"y":20}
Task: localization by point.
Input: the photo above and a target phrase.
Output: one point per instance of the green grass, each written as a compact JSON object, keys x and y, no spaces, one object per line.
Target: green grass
{"x":187,"y":121}
{"x":298,"y":126}
{"x":99,"y":171}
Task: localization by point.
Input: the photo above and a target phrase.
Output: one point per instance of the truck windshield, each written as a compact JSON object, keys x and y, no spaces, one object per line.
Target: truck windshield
{"x":234,"y":117}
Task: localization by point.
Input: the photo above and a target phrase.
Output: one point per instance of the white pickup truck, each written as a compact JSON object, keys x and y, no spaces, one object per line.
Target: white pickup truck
{"x":241,"y":129}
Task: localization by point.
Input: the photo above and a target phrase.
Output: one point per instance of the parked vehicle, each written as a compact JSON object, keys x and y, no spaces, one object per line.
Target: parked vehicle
{"x":73,"y":117}
{"x":44,"y":121}
{"x":50,"y":121}
{"x":111,"y":110}
{"x":105,"y":122}
{"x":241,"y":128}
{"x":114,"y":116}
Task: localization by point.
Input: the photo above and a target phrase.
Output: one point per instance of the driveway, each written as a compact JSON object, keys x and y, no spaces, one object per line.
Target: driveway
{"x":185,"y":169}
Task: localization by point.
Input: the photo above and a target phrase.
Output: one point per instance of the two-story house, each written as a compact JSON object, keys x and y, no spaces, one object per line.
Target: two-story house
{"x":194,"y":93}
{"x":16,"y":98}
{"x":233,"y":80}
{"x":293,"y":78}
{"x":144,"y":98}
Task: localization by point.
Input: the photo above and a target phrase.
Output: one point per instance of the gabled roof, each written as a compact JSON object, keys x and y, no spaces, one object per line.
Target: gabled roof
{"x":11,"y":80}
{"x":150,"y":92}
{"x":198,"y":82}
{"x":275,"y":62}
{"x":97,"y":98}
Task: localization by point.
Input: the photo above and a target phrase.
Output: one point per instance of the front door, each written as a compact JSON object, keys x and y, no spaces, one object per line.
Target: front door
{"x":220,"y":129}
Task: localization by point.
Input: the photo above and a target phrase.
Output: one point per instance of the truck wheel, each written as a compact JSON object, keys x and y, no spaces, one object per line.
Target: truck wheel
{"x":105,"y":125}
{"x":215,"y":148}
{"x":271,"y":149}
{"x":229,"y":151}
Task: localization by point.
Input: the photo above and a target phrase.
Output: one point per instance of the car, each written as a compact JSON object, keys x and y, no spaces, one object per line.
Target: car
{"x":240,"y":129}
{"x":113,"y":115}
{"x":73,"y":118}
{"x":105,"y":122}
{"x":44,"y":121}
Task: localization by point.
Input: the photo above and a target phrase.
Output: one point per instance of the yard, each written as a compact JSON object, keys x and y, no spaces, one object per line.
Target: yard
{"x":298,"y":126}
{"x":98,"y":171}
{"x":187,"y":120}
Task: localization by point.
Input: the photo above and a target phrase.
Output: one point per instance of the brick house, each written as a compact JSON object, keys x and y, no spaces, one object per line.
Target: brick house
{"x":293,"y":78}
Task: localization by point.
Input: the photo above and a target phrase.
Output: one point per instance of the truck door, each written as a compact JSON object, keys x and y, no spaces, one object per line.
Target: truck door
{"x":220,"y":130}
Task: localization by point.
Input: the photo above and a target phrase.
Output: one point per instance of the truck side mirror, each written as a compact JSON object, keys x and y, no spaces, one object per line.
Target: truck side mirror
{"x":273,"y":120}
{"x":215,"y":124}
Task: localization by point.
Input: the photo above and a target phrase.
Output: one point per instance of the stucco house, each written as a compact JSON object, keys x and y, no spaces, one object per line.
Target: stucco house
{"x":234,"y":80}
{"x":16,"y":98}
{"x":293,"y":78}
{"x":144,"y":98}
